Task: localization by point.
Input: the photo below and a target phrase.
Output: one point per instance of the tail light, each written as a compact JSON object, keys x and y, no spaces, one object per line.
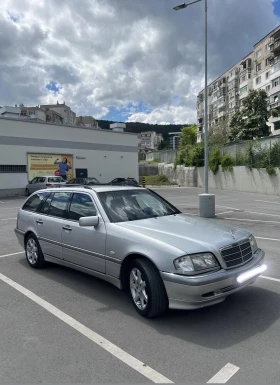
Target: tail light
{"x":48,"y":185}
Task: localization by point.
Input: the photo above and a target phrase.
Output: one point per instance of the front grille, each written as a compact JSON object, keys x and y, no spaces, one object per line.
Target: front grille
{"x":237,"y":254}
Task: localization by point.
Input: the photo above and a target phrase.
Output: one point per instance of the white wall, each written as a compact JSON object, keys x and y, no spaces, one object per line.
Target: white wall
{"x":242,"y":179}
{"x":116,"y":154}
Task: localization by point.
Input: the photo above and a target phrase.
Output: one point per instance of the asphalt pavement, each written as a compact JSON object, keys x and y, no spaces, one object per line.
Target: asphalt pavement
{"x":60,"y":325}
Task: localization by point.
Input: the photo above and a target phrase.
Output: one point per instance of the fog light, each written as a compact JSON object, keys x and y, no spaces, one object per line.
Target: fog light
{"x":251,"y":274}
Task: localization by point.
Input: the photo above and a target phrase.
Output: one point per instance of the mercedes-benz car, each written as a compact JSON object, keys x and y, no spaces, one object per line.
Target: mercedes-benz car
{"x":136,"y":240}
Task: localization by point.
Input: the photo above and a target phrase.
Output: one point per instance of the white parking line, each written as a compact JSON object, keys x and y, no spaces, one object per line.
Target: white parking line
{"x":224,"y":374}
{"x":254,"y":212}
{"x":7,"y":219}
{"x":274,"y":203}
{"x":251,"y":220}
{"x":226,"y":212}
{"x":9,"y":208}
{"x":230,"y":208}
{"x":269,"y":278}
{"x":113,"y":349}
{"x":268,"y":239}
{"x":9,"y":255}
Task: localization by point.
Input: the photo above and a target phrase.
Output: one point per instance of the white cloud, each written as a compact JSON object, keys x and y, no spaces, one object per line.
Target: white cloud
{"x":118,"y":53}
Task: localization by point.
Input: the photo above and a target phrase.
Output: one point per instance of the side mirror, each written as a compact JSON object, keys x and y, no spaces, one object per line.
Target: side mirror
{"x":89,"y":221}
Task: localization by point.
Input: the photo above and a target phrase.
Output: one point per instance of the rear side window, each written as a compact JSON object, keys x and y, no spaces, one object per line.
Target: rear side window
{"x":58,"y":206}
{"x":44,"y":209}
{"x":34,"y":202}
{"x":81,"y":206}
{"x":54,"y":179}
{"x":41,"y":180}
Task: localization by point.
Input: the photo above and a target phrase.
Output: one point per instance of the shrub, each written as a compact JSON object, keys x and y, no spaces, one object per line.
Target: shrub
{"x":271,"y":171}
{"x":215,"y":160}
{"x":227,"y":163}
{"x":157,"y":180}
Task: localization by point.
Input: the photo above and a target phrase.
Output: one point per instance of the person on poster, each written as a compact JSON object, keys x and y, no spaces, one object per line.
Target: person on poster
{"x":64,"y":166}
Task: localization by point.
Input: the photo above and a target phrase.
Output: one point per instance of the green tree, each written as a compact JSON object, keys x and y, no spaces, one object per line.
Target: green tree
{"x":188,"y":136}
{"x":251,"y":121}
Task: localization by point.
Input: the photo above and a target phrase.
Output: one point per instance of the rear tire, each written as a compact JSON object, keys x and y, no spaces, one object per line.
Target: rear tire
{"x":147,"y":289}
{"x":33,"y":252}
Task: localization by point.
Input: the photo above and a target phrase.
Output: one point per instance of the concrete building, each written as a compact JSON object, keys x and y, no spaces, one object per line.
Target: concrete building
{"x":35,"y":113}
{"x":68,"y":116}
{"x":260,"y":69}
{"x":174,"y":140}
{"x":29,"y":148}
{"x":10,"y":112}
{"x":119,"y":127}
{"x":87,"y":121}
{"x":150,"y":140}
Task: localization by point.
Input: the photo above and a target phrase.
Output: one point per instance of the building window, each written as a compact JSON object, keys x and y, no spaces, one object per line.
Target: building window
{"x":258,"y":80}
{"x":243,"y":78}
{"x":267,"y":88}
{"x":267,"y":75}
{"x":258,"y":67}
{"x":275,"y":83}
{"x":243,"y":89}
{"x":259,"y":53}
{"x":5,"y":168}
{"x":277,"y":125}
{"x":267,"y":47}
{"x":275,"y":98}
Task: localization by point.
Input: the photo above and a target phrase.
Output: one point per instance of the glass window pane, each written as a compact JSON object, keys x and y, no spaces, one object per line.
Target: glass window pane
{"x":81,"y":206}
{"x":59,"y":204}
{"x":44,"y":209}
{"x":34,"y":202}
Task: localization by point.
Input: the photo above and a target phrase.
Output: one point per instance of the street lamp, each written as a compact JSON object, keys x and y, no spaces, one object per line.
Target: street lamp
{"x":206,"y":200}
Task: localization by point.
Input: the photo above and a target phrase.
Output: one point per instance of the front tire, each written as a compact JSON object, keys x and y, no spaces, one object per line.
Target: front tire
{"x":147,"y":289}
{"x":33,"y":253}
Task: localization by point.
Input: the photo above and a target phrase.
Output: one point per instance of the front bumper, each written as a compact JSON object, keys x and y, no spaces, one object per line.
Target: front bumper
{"x":185,"y":292}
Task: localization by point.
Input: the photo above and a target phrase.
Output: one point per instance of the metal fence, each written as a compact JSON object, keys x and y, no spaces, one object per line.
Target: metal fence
{"x":255,"y":152}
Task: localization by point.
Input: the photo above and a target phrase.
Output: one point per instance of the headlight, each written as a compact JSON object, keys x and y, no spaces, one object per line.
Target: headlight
{"x":196,"y":263}
{"x":254,"y":244}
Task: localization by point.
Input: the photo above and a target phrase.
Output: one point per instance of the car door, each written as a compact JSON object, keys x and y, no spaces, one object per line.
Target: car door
{"x":49,"y":221}
{"x":84,"y":246}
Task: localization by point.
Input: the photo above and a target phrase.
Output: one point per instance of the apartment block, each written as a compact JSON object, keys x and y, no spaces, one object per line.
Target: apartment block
{"x":260,"y":69}
{"x":68,"y":116}
{"x":150,"y":140}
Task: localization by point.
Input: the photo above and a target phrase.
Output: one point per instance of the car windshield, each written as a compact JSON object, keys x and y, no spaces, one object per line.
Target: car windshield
{"x":92,"y":180}
{"x":132,"y":205}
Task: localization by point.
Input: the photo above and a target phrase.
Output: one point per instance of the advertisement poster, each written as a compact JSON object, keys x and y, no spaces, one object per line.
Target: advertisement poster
{"x":50,"y":164}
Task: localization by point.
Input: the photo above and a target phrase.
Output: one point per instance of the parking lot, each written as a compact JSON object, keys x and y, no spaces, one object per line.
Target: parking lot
{"x":60,"y":325}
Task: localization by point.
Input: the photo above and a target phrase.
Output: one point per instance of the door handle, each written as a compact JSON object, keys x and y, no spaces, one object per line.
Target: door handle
{"x":67,"y":228}
{"x":39,"y":221}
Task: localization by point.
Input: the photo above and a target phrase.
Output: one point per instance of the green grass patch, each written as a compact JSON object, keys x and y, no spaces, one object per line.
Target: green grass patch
{"x":158,"y":180}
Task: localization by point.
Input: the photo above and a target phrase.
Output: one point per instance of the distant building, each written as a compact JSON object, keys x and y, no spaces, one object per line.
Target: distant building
{"x":68,"y":116}
{"x":87,"y":121}
{"x":150,"y":140}
{"x":174,"y":140}
{"x":35,"y":113}
{"x":120,"y":127}
{"x":10,"y":112}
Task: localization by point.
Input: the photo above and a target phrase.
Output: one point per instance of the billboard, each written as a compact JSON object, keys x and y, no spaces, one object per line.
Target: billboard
{"x":50,"y":164}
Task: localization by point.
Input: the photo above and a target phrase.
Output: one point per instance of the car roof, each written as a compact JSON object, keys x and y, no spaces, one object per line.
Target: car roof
{"x":96,"y":188}
{"x":48,"y":176}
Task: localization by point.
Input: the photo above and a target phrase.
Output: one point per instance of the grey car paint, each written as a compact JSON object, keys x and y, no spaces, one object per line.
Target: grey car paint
{"x":161,"y":240}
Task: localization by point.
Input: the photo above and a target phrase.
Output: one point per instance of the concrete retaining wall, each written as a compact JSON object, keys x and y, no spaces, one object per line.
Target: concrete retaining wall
{"x":148,"y":169}
{"x":242,"y":179}
{"x":183,"y":176}
{"x":162,"y":156}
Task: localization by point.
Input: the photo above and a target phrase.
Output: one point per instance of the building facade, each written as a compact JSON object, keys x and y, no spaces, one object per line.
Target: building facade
{"x":150,"y":140}
{"x":103,"y":154}
{"x":260,"y":69}
{"x":68,"y":116}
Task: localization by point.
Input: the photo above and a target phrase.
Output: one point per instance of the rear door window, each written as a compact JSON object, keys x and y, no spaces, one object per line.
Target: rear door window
{"x":45,"y":206}
{"x":34,"y":201}
{"x":81,"y":206}
{"x":59,"y":204}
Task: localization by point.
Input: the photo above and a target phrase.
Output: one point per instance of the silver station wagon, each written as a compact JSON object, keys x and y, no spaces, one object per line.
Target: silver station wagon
{"x":136,"y":240}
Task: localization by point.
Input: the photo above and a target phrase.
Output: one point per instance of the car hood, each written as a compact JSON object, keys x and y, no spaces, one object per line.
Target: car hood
{"x":188,"y":233}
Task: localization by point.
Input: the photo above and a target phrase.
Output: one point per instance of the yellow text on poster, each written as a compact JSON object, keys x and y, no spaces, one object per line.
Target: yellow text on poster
{"x":50,"y":165}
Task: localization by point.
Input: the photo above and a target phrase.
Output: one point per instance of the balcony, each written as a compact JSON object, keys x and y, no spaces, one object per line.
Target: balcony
{"x":274,"y":104}
{"x":275,"y":46}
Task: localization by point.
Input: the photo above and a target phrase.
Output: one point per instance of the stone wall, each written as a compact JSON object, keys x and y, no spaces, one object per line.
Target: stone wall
{"x":183,"y":176}
{"x":148,"y":169}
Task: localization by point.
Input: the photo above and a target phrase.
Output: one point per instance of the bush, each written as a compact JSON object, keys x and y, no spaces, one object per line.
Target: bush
{"x":227,"y":163}
{"x":215,"y":160}
{"x":158,"y":180}
{"x":271,"y":171}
